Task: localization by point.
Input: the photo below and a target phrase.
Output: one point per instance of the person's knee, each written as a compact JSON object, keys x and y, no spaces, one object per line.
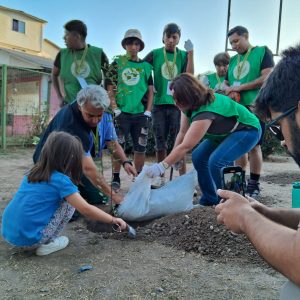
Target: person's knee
{"x":256,"y":150}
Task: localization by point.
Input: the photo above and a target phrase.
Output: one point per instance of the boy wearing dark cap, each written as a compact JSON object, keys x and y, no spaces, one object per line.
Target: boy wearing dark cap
{"x":168,"y":62}
{"x":77,"y":65}
{"x":131,"y":93}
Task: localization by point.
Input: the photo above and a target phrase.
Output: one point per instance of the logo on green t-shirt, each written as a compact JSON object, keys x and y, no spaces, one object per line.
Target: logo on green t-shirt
{"x":243,"y":68}
{"x":131,"y":76}
{"x":84,"y":70}
{"x":166,"y":73}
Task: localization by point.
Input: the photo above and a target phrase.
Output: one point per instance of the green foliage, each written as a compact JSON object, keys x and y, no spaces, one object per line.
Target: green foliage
{"x":270,"y":144}
{"x":40,"y":120}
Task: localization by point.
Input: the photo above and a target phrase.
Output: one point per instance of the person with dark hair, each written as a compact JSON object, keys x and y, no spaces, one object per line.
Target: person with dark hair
{"x":168,"y":62}
{"x":215,"y":80}
{"x":79,"y":119}
{"x":131,"y":95}
{"x":227,"y":128}
{"x":48,"y":197}
{"x":274,"y":232}
{"x":246,"y":73}
{"x":77,"y":65}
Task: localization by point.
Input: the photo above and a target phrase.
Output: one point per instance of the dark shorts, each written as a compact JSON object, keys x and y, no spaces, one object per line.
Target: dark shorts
{"x":166,"y":124}
{"x":136,"y":126}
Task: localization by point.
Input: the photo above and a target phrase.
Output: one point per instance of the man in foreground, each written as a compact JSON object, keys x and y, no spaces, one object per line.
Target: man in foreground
{"x":273,"y":232}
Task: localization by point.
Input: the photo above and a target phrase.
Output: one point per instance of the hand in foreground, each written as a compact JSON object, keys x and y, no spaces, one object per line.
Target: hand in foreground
{"x":130,"y":170}
{"x":188,"y":45}
{"x":155,"y":170}
{"x":121,"y":223}
{"x":232,"y":209}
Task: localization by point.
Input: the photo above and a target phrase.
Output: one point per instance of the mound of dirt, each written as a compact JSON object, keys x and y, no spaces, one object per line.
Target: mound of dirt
{"x":195,"y":231}
{"x":282,"y":178}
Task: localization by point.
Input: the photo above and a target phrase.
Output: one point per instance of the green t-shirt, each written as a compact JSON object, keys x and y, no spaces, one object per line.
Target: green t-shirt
{"x":250,"y":69}
{"x":164,"y":73}
{"x":214,"y":82}
{"x":226,"y":107}
{"x":89,"y":69}
{"x":132,"y":85}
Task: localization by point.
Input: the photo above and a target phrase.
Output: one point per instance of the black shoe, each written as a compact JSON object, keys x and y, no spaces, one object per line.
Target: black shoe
{"x":253,"y":189}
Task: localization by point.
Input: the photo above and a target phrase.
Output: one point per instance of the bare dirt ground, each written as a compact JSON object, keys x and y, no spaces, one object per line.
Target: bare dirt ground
{"x":184,"y":256}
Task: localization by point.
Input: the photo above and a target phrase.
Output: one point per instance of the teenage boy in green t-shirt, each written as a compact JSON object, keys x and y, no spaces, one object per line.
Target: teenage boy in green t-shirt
{"x":246,"y":73}
{"x":131,"y":93}
{"x":168,"y":62}
{"x":77,"y":65}
{"x":215,"y":80}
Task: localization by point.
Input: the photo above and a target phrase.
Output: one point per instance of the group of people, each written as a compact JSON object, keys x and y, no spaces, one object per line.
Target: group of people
{"x":214,"y":120}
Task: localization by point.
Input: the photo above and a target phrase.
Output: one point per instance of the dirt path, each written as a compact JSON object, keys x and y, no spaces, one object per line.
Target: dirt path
{"x":157,"y":265}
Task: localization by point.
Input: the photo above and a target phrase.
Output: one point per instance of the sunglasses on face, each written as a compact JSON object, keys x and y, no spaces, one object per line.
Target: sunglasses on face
{"x":275,"y":128}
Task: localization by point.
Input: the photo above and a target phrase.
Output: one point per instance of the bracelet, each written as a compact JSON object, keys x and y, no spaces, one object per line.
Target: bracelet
{"x":127,"y":162}
{"x":165,"y":165}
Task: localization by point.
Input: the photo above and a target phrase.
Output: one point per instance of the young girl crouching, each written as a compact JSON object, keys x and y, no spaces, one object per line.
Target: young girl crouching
{"x":48,"y":197}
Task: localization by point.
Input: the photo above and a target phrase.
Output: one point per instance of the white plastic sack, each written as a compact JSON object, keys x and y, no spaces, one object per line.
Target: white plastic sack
{"x":143,"y":203}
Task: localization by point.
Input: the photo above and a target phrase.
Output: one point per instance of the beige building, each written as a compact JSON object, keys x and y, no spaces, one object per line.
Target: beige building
{"x":29,"y":59}
{"x":21,"y":41}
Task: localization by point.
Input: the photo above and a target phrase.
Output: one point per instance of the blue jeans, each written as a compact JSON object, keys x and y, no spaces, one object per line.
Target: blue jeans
{"x":209,"y":158}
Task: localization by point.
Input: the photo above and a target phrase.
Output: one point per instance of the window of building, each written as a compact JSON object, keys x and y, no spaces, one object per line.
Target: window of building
{"x":18,"y":26}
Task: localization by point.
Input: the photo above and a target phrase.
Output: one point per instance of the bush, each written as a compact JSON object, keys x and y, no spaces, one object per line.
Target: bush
{"x":270,"y":144}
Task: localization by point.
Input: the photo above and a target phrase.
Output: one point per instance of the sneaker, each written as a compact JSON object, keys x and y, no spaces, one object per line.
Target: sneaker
{"x":158,"y":182}
{"x":116,"y":184}
{"x":253,"y":189}
{"x":58,"y":244}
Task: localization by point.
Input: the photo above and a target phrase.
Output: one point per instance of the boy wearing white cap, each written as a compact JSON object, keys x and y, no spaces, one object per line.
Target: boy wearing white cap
{"x":131,"y":94}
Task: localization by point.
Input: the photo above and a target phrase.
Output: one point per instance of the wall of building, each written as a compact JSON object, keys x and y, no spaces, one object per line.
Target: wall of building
{"x":31,"y":40}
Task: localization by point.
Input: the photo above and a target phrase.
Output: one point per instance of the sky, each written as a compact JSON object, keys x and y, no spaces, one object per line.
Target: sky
{"x":202,"y":21}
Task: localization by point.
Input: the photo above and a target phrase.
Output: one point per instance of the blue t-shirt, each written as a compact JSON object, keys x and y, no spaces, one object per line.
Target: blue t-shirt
{"x":32,"y":208}
{"x":106,"y":131}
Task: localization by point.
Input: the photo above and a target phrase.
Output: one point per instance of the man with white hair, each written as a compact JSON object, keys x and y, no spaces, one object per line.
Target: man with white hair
{"x":78,"y":119}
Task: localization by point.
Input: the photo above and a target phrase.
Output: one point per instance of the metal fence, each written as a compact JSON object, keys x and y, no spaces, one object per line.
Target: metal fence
{"x":27,"y":102}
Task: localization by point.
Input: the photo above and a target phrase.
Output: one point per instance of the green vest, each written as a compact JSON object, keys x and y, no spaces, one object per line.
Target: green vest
{"x":250,"y":71}
{"x":213,"y":81}
{"x":162,"y":77}
{"x":90,"y":70}
{"x":226,"y":107}
{"x":132,"y":85}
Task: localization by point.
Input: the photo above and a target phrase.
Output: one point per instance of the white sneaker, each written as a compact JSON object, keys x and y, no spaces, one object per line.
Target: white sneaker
{"x":58,"y":244}
{"x":158,"y":182}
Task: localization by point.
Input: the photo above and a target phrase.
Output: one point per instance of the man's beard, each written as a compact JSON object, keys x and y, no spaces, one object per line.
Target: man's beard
{"x":295,"y":134}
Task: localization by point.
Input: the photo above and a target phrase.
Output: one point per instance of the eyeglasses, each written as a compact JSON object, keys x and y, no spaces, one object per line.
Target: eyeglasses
{"x":275,"y":128}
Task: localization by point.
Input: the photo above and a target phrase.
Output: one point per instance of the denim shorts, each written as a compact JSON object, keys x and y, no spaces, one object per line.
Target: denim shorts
{"x":166,"y":124}
{"x":135,"y":126}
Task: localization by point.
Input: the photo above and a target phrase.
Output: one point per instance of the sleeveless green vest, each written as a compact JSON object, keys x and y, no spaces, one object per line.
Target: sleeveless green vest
{"x":162,"y":76}
{"x":226,"y":107}
{"x":90,"y":70}
{"x":132,"y":85}
{"x":213,"y":80}
{"x":251,"y":71}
